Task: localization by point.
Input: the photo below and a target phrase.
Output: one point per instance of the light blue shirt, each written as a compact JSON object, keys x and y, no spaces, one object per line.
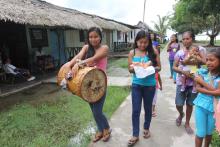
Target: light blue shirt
{"x":203,"y":100}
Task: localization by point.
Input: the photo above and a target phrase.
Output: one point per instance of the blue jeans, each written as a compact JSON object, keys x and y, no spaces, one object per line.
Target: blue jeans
{"x":100,"y":119}
{"x":172,"y":72}
{"x":147,"y":94}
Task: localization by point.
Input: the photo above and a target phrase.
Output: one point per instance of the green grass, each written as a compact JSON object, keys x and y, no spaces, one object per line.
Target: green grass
{"x":118,"y":62}
{"x":206,"y":42}
{"x":162,"y":46}
{"x":215,"y":140}
{"x":52,"y":124}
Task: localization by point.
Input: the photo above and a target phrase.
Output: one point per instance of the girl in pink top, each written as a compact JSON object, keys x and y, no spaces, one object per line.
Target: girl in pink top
{"x":94,"y":54}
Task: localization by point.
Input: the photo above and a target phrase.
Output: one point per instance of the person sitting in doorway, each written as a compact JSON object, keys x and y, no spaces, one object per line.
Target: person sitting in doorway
{"x":11,"y":69}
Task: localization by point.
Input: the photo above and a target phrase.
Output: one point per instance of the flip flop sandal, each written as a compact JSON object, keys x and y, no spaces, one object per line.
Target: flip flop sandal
{"x":189,"y":130}
{"x":106,"y":135}
{"x":179,"y":120}
{"x":132,"y":142}
{"x":146,"y":134}
{"x":98,"y":136}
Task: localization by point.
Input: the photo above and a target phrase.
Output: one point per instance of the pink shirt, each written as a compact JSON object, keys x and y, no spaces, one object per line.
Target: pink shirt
{"x":102,"y":64}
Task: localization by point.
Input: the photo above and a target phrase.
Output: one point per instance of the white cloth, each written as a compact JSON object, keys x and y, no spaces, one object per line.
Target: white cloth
{"x":202,"y":49}
{"x":141,"y":72}
{"x":37,"y":53}
{"x":63,"y":83}
{"x":9,"y":68}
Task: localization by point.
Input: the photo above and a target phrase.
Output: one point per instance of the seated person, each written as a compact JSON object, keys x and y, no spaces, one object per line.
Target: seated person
{"x":40,"y":58}
{"x":11,"y":69}
{"x":39,"y":52}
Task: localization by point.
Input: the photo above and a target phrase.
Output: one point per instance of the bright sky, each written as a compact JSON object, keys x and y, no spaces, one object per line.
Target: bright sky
{"x":128,"y":11}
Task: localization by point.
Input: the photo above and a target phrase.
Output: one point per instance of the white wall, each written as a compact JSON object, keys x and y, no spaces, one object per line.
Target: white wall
{"x":72,"y":38}
{"x":115,"y":38}
{"x":104,"y":41}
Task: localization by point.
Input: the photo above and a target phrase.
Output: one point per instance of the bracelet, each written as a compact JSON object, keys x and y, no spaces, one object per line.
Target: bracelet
{"x":82,"y":63}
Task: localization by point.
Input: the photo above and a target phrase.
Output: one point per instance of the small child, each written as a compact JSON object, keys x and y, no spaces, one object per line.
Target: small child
{"x":158,"y":86}
{"x":191,"y":65}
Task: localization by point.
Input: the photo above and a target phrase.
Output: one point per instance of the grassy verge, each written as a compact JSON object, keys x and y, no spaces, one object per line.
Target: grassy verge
{"x":52,"y":124}
{"x":118,"y":62}
{"x":206,"y":42}
{"x":162,"y":46}
{"x":215,"y":140}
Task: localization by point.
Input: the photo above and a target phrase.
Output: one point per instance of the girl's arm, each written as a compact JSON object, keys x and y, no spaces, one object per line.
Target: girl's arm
{"x":160,"y":82}
{"x":202,"y":54}
{"x":204,"y":90}
{"x":130,"y":56}
{"x":176,"y":69}
{"x":79,"y":56}
{"x":168,"y":46}
{"x":201,"y":58}
{"x":158,"y":67}
{"x":178,"y":47}
{"x":100,"y":53}
{"x":200,"y":81}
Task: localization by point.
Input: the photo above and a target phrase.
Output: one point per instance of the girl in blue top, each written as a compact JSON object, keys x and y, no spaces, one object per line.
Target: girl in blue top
{"x":142,"y":88}
{"x":208,"y":86}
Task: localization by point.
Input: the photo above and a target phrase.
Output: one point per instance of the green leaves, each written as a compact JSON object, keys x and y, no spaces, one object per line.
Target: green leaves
{"x":197,"y":16}
{"x":161,"y":25}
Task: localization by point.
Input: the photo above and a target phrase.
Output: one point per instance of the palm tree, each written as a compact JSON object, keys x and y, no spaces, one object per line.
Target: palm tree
{"x":161,"y":26}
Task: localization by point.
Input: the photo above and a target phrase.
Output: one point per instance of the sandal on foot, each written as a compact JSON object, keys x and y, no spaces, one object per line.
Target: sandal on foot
{"x":132,"y":141}
{"x":98,"y":136}
{"x":179,"y":120}
{"x":189,"y":130}
{"x":106,"y":135}
{"x":146,"y":134}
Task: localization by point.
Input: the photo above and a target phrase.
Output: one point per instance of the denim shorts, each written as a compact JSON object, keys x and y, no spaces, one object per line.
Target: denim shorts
{"x":185,"y":96}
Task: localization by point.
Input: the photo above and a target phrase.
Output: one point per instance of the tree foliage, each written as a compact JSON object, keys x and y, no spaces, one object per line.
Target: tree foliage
{"x":161,"y":26}
{"x":197,"y":16}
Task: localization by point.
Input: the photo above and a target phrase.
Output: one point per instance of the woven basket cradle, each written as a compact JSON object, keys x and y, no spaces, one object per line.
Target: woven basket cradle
{"x":90,"y":83}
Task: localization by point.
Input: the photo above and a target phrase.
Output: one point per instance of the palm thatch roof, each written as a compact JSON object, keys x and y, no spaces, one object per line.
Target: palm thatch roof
{"x":143,"y":26}
{"x":37,"y":12}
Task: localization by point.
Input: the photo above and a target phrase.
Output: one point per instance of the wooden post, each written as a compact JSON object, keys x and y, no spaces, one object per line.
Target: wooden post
{"x":144,"y":9}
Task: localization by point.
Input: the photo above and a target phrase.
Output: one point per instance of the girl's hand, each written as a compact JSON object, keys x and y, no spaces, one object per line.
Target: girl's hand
{"x":187,"y":74}
{"x":67,"y":65}
{"x":198,"y":80}
{"x":75,"y":70}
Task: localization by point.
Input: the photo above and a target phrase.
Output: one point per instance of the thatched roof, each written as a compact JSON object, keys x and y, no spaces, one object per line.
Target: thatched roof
{"x":37,"y":12}
{"x":143,"y":26}
{"x":109,"y":24}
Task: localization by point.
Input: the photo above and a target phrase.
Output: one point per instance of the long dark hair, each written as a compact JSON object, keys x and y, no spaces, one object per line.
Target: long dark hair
{"x":176,"y":37}
{"x":216,"y":53}
{"x":91,"y":50}
{"x":149,"y":48}
{"x":155,"y":36}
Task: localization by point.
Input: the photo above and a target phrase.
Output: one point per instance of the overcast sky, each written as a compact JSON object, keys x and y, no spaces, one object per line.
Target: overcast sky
{"x":128,"y":11}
